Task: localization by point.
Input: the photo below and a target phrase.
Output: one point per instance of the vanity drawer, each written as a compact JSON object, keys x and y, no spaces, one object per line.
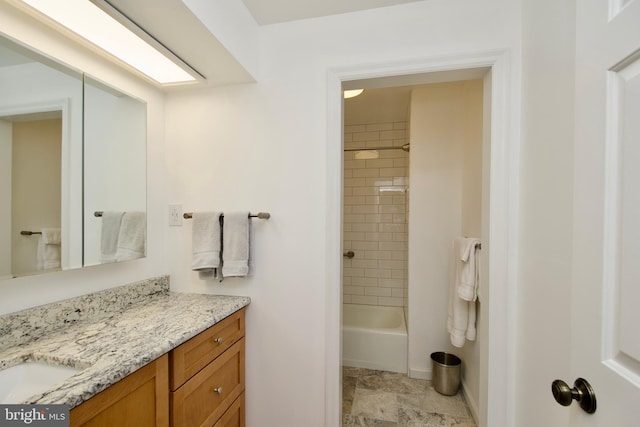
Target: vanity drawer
{"x":206,"y":397}
{"x":234,"y":417}
{"x":195,"y":354}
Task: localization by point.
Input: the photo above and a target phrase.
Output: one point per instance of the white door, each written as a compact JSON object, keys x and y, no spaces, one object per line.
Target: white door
{"x":606,"y":281}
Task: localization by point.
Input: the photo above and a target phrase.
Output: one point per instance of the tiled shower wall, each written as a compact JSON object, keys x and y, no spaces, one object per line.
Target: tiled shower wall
{"x":376,"y":215}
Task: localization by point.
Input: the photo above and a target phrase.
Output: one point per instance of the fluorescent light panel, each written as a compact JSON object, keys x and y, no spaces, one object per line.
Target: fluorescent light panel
{"x":93,"y":24}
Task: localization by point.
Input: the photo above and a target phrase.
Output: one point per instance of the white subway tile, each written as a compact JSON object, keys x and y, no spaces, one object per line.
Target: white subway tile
{"x":354,"y":200}
{"x":378,"y":272}
{"x":390,"y":301}
{"x":392,"y":228}
{"x":391,"y":209}
{"x":365,"y":227}
{"x":367,"y":136}
{"x":364,"y":246}
{"x":398,"y":265}
{"x":396,"y":274}
{"x":392,"y":283}
{"x":355,"y":128}
{"x":400,"y":237}
{"x":365,"y":209}
{"x":354,"y":235}
{"x":351,"y":217}
{"x":379,"y":126}
{"x":368,"y":300}
{"x":380,"y":292}
{"x":399,"y":125}
{"x":372,"y":200}
{"x":393,"y":172}
{"x":393,"y":134}
{"x":391,"y":246}
{"x":355,"y":182}
{"x":366,"y":173}
{"x":364,"y":191}
{"x":354,"y":290}
{"x":380,"y":163}
{"x":353,"y":272}
{"x":365,"y":263}
{"x":365,"y":281}
{"x":354,"y":164}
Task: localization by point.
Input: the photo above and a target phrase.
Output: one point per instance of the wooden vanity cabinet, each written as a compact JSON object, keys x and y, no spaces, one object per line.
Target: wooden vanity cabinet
{"x":140,"y":399}
{"x":207,"y":377}
{"x":199,"y":383}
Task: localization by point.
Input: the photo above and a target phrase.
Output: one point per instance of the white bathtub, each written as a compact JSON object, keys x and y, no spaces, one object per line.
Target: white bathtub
{"x":374,"y":337}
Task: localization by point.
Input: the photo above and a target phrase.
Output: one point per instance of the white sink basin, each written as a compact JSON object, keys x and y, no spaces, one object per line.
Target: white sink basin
{"x":20,"y":382}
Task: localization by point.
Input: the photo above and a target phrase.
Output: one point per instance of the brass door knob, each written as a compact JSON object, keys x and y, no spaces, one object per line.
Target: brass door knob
{"x":581,"y":391}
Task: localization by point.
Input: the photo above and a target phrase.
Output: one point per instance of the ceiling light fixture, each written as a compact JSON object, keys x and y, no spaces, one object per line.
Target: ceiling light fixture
{"x":352,"y":93}
{"x":105,"y":27}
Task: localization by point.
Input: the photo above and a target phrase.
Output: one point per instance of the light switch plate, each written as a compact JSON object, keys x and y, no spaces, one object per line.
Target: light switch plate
{"x":175,"y":215}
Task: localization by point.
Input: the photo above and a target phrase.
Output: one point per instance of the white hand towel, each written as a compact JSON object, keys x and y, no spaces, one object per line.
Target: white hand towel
{"x":461,"y":318}
{"x":132,"y":238}
{"x":109,"y":235}
{"x":51,"y":236}
{"x":235,"y":246}
{"x":48,"y":254}
{"x":468,"y":277}
{"x":206,"y":243}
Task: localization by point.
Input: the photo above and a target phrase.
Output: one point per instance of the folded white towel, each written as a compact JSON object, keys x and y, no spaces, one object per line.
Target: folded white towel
{"x":461,"y":318}
{"x":132,"y":239}
{"x":206,"y":243}
{"x":48,"y":254}
{"x":468,"y":277}
{"x":235,"y":246}
{"x":109,"y":235}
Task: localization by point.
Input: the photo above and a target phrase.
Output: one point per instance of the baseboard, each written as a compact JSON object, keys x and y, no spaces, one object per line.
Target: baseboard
{"x":421,"y":374}
{"x":473,"y":405}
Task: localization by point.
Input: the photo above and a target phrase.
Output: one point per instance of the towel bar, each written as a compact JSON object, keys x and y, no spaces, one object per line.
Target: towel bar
{"x":261,"y":215}
{"x":29,"y":233}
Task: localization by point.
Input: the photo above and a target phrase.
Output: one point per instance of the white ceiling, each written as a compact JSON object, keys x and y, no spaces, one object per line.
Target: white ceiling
{"x":275,"y":11}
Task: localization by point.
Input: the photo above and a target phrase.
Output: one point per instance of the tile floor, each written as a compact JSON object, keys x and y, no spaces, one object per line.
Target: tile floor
{"x":388,"y":399}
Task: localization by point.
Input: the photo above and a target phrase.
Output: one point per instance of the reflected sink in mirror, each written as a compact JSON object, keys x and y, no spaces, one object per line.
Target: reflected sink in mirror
{"x":22,"y":381}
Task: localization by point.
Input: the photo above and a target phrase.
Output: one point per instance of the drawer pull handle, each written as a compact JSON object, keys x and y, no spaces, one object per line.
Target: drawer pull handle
{"x":218,"y":340}
{"x":218,"y":390}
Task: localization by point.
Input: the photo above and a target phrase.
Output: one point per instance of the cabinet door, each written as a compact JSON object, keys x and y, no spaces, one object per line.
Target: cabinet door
{"x":203,"y":399}
{"x":140,"y":400}
{"x":190,"y":357}
{"x":234,"y":417}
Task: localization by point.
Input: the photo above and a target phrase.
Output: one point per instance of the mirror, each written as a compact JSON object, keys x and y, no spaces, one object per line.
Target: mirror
{"x":68,"y":149}
{"x":115,"y":186}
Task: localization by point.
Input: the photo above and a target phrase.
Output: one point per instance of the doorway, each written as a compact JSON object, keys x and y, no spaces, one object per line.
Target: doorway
{"x":495,"y":389}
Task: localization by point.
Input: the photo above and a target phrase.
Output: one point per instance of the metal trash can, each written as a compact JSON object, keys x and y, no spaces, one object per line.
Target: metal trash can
{"x":446,"y":372}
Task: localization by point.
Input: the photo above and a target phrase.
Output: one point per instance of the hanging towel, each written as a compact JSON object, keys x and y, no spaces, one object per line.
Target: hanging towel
{"x":109,"y":235}
{"x":461,"y":318}
{"x":467,"y":286}
{"x":235,"y":245}
{"x":48,"y":252}
{"x":206,"y":243}
{"x":132,"y":238}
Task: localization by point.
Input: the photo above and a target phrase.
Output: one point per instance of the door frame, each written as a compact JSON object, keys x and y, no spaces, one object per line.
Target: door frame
{"x":497,"y":408}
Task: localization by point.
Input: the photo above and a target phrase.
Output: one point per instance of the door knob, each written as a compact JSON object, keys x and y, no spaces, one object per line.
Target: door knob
{"x":581,"y":391}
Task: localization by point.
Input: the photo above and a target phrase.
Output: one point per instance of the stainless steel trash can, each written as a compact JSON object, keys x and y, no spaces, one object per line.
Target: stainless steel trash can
{"x":445,"y":372}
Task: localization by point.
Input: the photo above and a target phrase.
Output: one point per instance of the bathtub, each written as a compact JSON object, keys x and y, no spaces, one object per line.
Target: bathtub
{"x":374,"y":337}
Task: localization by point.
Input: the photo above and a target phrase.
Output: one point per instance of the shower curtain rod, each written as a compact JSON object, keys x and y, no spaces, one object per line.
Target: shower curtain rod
{"x":405,"y":147}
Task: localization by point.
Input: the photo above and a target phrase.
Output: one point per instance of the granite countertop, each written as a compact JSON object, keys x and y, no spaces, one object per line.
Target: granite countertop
{"x":109,"y":346}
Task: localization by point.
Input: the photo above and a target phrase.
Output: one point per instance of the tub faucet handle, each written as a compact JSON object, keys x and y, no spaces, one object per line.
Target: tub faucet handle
{"x":349,"y":254}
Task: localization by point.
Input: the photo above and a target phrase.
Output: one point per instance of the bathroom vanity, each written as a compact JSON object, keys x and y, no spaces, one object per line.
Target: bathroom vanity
{"x":144,"y":356}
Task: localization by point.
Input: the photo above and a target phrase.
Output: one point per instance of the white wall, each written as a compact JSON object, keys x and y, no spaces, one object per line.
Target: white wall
{"x":445,"y":203}
{"x":264,"y":147}
{"x":545,"y":236}
{"x":35,"y":290}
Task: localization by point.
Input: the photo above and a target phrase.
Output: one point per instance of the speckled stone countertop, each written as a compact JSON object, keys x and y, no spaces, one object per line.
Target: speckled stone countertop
{"x":109,"y":334}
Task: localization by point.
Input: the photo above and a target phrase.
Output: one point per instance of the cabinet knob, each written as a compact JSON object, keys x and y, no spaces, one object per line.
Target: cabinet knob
{"x":217,"y":340}
{"x":218,"y":390}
